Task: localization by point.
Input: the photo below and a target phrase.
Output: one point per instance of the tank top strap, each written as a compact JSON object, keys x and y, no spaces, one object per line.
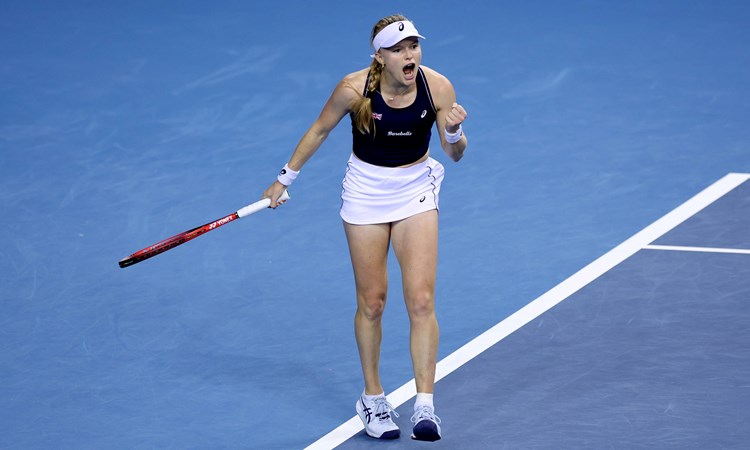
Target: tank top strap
{"x":423,"y":82}
{"x":367,"y":83}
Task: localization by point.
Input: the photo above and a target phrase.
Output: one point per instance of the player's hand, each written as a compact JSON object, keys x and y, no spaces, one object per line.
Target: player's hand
{"x":455,"y":117}
{"x":273,"y":193}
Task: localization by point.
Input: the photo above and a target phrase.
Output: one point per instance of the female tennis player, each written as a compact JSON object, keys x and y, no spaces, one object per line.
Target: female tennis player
{"x":390,"y":197}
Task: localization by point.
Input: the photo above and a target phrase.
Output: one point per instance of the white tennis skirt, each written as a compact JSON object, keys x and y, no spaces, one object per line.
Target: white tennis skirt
{"x":375,"y":194}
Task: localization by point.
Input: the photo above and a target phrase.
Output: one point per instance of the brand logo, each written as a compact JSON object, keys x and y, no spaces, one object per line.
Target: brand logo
{"x":401,"y":26}
{"x":367,"y":411}
{"x":400,"y":133}
{"x":221,"y":222}
{"x":422,"y":199}
{"x":424,"y":113}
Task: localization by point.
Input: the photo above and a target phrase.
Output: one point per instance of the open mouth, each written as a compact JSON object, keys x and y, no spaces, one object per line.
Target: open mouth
{"x":409,"y":69}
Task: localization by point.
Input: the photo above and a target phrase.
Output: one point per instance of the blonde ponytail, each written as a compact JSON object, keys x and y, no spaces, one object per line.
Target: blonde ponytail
{"x":363,"y":108}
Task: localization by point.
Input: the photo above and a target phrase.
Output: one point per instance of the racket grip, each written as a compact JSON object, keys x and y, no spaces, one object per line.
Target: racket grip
{"x":259,"y":205}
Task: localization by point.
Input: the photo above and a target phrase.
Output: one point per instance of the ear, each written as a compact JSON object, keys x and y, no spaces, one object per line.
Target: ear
{"x":379,"y":58}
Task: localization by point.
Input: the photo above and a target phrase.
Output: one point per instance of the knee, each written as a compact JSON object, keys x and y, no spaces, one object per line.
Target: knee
{"x":372,"y":304}
{"x":421,"y":305}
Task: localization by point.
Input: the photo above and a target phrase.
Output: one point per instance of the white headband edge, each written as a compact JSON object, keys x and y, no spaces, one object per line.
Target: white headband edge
{"x":393,"y":34}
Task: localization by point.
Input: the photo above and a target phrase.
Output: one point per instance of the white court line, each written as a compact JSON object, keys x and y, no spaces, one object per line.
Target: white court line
{"x":551,"y":298}
{"x":677,"y":248}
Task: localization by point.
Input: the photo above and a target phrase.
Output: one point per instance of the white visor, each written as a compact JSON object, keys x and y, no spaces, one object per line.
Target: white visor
{"x":393,"y":34}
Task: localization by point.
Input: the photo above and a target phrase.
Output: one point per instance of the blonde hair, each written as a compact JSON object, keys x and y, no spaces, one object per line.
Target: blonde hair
{"x":362,"y":110}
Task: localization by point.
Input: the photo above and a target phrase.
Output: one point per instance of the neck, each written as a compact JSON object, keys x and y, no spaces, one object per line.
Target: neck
{"x":391,"y":90}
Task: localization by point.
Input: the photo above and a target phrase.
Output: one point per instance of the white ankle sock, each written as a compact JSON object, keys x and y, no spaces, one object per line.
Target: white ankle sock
{"x":370,"y":398}
{"x":423,"y":399}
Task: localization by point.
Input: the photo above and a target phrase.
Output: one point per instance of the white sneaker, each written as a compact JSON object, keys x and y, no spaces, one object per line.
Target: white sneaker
{"x":376,"y":415}
{"x":426,"y":424}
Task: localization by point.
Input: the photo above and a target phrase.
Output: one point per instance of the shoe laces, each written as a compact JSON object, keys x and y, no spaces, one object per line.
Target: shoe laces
{"x":424,"y":412}
{"x":383,"y":409}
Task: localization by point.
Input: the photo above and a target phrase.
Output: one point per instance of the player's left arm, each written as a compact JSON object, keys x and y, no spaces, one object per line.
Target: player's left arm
{"x":450,"y":115}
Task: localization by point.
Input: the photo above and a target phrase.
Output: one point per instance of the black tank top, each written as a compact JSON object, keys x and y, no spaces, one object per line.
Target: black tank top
{"x":401,"y":135}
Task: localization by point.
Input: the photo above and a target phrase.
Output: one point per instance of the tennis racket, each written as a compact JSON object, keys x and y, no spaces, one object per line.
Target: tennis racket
{"x":179,"y":239}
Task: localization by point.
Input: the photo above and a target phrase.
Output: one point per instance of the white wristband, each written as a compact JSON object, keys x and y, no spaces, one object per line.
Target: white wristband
{"x":287,"y":176}
{"x":452,"y":138}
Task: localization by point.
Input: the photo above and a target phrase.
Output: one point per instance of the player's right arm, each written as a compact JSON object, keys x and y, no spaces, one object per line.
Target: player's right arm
{"x":339,"y":104}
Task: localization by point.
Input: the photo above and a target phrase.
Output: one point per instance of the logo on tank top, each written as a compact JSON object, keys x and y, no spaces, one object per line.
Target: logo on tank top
{"x":399,"y":133}
{"x":424,"y":113}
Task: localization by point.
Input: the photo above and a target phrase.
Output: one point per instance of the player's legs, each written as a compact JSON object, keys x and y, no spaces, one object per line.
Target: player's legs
{"x":368,"y":248}
{"x":415,"y":243}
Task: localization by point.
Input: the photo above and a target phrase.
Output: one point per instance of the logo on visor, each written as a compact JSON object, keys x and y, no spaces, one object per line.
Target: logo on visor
{"x":401,"y":26}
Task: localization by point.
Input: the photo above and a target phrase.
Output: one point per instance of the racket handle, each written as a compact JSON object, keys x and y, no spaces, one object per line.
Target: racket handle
{"x":259,"y":205}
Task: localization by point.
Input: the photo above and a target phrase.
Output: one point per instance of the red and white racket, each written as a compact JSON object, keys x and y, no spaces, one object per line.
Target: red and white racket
{"x":179,"y":239}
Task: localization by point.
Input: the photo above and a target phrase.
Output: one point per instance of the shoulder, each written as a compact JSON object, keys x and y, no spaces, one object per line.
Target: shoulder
{"x":348,"y":91}
{"x":435,"y":78}
{"x":440,"y":85}
{"x":354,"y":81}
{"x":360,"y":75}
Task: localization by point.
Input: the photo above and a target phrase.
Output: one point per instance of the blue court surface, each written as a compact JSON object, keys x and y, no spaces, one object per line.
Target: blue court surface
{"x":594,"y":269}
